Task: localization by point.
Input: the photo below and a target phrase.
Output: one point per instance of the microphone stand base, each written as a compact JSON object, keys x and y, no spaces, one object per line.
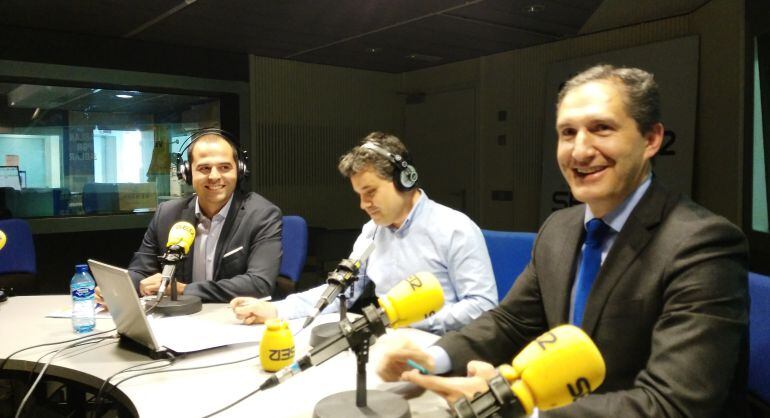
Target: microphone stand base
{"x":378,"y":404}
{"x":324,"y":332}
{"x":184,"y":305}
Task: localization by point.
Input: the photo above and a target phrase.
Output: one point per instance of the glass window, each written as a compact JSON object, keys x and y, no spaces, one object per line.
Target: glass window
{"x":759,"y":208}
{"x":84,"y":151}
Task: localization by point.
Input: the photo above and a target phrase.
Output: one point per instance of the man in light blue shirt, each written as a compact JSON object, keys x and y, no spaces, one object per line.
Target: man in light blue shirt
{"x":411,"y":234}
{"x":658,"y":282}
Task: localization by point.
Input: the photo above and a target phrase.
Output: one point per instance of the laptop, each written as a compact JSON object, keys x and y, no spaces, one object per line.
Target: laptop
{"x":159,"y":337}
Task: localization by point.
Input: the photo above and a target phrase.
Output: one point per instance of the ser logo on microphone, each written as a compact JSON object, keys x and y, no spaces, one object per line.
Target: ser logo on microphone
{"x":415,"y":283}
{"x":282,"y":354}
{"x":581,"y":388}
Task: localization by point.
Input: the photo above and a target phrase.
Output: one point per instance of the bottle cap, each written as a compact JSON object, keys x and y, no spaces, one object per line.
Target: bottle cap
{"x":81,"y":268}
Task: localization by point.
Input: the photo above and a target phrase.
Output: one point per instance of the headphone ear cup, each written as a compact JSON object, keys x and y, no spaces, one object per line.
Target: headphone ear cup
{"x":183,"y":170}
{"x":243,"y":164}
{"x":407,"y":178}
{"x":187,"y":173}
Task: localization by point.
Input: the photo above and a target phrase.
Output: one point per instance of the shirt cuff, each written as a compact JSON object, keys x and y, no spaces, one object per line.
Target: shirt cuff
{"x":441,"y":360}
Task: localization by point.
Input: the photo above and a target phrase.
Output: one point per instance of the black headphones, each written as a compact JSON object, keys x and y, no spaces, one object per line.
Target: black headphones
{"x":183,"y":169}
{"x":405,"y":175}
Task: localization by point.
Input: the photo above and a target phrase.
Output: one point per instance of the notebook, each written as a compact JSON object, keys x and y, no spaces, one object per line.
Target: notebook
{"x":159,"y":336}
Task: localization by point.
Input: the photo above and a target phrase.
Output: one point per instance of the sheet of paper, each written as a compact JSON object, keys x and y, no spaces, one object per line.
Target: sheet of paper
{"x":66,"y":312}
{"x":190,"y":333}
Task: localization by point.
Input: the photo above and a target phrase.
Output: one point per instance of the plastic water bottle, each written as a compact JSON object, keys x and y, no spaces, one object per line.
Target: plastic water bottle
{"x":82,"y":291}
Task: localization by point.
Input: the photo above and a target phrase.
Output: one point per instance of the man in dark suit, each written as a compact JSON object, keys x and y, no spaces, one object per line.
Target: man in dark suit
{"x":668,"y":308}
{"x":237,"y":248}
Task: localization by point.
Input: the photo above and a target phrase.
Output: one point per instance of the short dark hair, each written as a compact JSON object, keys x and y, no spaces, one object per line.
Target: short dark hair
{"x":642,"y":98}
{"x":204,"y":137}
{"x":358,"y":158}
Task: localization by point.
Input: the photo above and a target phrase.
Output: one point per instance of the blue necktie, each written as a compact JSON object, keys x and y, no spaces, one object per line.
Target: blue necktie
{"x":596,"y":231}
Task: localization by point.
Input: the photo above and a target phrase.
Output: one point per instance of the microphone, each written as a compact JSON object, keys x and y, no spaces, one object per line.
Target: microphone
{"x":338,"y":281}
{"x":417,"y":297}
{"x":554,"y":370}
{"x":180,"y":238}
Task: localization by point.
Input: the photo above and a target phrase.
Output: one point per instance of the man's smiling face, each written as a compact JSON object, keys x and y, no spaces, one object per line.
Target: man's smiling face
{"x":600,"y":151}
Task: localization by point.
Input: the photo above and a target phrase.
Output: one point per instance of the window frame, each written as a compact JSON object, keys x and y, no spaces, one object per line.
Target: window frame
{"x":757,"y":23}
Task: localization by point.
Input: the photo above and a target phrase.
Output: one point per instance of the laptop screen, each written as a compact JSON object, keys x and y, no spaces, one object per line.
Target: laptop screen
{"x":124,"y":305}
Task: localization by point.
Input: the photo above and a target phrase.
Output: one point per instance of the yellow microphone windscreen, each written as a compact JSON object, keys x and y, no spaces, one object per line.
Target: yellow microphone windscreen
{"x":556,"y":368}
{"x":411,"y":300}
{"x":181,"y":234}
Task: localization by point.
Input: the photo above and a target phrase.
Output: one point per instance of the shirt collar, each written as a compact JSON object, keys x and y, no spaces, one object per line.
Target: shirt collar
{"x":220,"y":215}
{"x":618,"y":217}
{"x":415,"y":209}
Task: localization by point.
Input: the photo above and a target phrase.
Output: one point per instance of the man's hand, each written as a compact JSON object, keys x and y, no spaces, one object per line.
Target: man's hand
{"x":454,"y":388}
{"x":393,"y":363}
{"x":98,"y":297}
{"x":149,"y":285}
{"x":252,"y":310}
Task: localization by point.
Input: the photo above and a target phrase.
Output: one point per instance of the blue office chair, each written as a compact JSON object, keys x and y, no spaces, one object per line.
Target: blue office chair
{"x":510,"y":252}
{"x":294,"y":242}
{"x":759,"y":339}
{"x":18,"y":267}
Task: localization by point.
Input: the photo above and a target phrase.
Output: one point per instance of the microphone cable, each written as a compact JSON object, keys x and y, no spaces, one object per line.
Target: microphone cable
{"x":98,"y":398}
{"x":80,"y":343}
{"x":77,"y":342}
{"x":246,"y":396}
{"x":8,"y":357}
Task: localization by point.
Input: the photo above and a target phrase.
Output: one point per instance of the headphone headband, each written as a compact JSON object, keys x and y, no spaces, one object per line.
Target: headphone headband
{"x":183,"y":168}
{"x":405,"y":176}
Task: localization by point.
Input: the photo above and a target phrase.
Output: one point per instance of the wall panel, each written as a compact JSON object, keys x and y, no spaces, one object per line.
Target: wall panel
{"x":304,"y":117}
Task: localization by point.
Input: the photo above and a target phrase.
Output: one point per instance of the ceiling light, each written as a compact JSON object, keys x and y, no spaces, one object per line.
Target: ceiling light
{"x":423,"y":57}
{"x":124,"y":96}
{"x":534,"y":8}
{"x":373,"y":50}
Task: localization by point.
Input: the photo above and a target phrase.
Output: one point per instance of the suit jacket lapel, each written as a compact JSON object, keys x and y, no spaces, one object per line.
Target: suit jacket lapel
{"x":631,"y":241}
{"x":188,"y":214}
{"x":558,"y":276}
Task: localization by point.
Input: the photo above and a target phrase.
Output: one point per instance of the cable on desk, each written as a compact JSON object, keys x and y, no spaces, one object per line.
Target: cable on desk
{"x":256,"y":356}
{"x":233,"y":403}
{"x":8,"y":357}
{"x":77,"y":341}
{"x":97,"y":399}
{"x":78,"y":344}
{"x":208,"y":366}
{"x":225,"y":408}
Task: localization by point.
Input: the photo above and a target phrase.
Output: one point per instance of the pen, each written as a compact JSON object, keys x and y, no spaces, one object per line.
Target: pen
{"x":414,"y":364}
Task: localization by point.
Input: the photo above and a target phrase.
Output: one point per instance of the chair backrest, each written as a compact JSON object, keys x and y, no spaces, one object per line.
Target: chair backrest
{"x":294,"y":242}
{"x":510,"y":252}
{"x":759,"y":336}
{"x":18,"y":252}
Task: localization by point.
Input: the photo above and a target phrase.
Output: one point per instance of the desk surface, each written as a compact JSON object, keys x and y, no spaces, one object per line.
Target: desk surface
{"x":194,"y":393}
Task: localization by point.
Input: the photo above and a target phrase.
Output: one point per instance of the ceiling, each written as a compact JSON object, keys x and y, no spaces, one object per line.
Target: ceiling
{"x":383,"y":35}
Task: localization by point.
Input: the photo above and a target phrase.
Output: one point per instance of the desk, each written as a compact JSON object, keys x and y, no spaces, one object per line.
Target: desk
{"x":194,"y":393}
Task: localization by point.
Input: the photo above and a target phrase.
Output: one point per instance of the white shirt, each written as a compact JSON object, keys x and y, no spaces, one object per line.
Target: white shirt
{"x":433,"y":238}
{"x":206,"y":237}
